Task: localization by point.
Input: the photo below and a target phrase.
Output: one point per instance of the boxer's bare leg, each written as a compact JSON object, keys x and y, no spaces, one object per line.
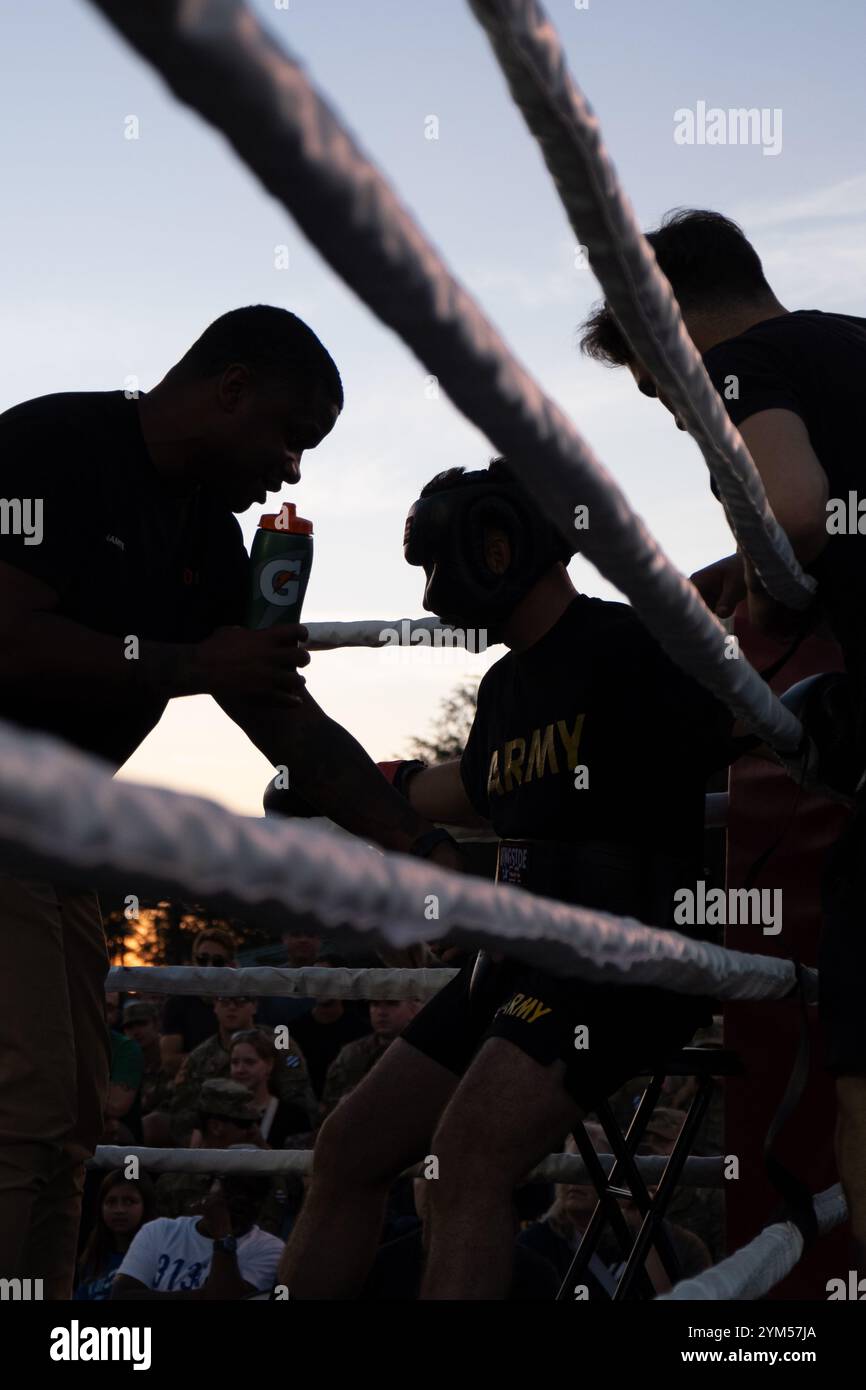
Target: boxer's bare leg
{"x":383,"y":1126}
{"x":506,"y":1114}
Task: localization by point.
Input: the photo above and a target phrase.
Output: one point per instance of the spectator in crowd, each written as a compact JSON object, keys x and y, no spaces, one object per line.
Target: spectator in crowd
{"x":302,"y":949}
{"x":691,"y":1250}
{"x":141,"y":1024}
{"x":253,"y":1062}
{"x":557,"y":1234}
{"x":189,"y":1018}
{"x":226,"y":1117}
{"x":215,"y":1256}
{"x":123,"y":1104}
{"x":122,"y":1122}
{"x":692,"y":1255}
{"x":125,"y":1204}
{"x":661,"y":1131}
{"x":327,"y":1028}
{"x":211,"y":1058}
{"x":388,"y":1018}
{"x":396,"y":1272}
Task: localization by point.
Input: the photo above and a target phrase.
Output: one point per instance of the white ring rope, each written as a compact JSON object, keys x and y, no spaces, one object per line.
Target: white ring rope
{"x":366,"y":632}
{"x":60,"y":809}
{"x":309,"y":982}
{"x":216,"y":57}
{"x":529,"y":52}
{"x":697,"y":1172}
{"x":756,"y":1268}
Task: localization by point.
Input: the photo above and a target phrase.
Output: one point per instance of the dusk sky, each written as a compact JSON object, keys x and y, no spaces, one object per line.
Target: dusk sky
{"x":118,"y":252}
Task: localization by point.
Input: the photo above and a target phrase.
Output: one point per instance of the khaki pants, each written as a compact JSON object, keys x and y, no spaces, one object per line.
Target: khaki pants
{"x":54,"y":1063}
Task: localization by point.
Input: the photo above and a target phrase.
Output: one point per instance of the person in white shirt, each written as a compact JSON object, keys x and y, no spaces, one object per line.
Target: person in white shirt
{"x":219,"y":1255}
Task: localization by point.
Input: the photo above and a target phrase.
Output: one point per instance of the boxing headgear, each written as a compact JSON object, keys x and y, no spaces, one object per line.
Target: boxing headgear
{"x":445,"y":533}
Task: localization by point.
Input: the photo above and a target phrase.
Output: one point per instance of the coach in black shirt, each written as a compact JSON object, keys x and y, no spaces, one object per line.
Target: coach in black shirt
{"x":123,"y":583}
{"x":793,"y":383}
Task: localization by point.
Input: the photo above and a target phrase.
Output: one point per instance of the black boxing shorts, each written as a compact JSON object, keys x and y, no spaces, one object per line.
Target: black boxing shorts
{"x":604,"y":1034}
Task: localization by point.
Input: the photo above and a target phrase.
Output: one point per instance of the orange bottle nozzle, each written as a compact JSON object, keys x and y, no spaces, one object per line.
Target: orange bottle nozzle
{"x":287,"y":520}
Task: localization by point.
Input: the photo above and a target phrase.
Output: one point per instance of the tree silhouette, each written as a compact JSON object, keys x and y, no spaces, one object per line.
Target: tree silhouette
{"x":163,"y":931}
{"x":450,"y":727}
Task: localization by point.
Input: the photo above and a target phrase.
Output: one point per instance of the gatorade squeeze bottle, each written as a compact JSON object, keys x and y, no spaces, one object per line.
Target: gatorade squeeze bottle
{"x":281,"y":560}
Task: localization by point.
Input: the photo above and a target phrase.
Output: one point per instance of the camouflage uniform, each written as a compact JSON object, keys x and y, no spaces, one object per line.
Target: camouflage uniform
{"x":157,"y":1087}
{"x":291,"y":1082}
{"x":157,"y":1090}
{"x":350,"y":1066}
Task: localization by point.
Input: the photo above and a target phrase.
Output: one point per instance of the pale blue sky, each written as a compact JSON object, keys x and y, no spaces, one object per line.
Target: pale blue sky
{"x":116,"y":253}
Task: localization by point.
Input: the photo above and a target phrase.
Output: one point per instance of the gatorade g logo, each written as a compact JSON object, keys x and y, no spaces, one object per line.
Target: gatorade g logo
{"x":278,"y":581}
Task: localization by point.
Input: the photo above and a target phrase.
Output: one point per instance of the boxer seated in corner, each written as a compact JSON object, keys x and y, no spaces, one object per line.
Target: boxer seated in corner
{"x":589,"y":755}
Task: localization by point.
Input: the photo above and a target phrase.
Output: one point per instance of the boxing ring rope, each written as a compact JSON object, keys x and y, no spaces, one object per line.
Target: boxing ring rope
{"x":307,"y":982}
{"x":62,"y":813}
{"x":756,"y":1268}
{"x":216,"y":58}
{"x":366,"y":632}
{"x":558,"y":1167}
{"x":528,"y":50}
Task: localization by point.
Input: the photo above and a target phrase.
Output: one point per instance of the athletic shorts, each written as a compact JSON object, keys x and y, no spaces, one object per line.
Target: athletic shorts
{"x":842,"y":952}
{"x":604,"y":1034}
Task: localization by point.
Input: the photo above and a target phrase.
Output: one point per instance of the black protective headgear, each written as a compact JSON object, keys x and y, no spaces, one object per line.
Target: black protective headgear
{"x":445,"y":534}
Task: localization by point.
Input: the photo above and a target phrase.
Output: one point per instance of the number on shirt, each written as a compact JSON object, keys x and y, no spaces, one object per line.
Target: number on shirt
{"x":192,"y":1279}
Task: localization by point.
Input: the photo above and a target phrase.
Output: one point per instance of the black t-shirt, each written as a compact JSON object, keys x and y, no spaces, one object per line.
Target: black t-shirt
{"x":320,"y":1042}
{"x":595,"y":692}
{"x":124,"y":555}
{"x":813,"y":364}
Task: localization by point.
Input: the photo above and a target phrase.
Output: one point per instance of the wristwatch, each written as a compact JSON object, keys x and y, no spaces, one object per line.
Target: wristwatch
{"x":423,"y":847}
{"x":404,"y":774}
{"x":227,"y":1243}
